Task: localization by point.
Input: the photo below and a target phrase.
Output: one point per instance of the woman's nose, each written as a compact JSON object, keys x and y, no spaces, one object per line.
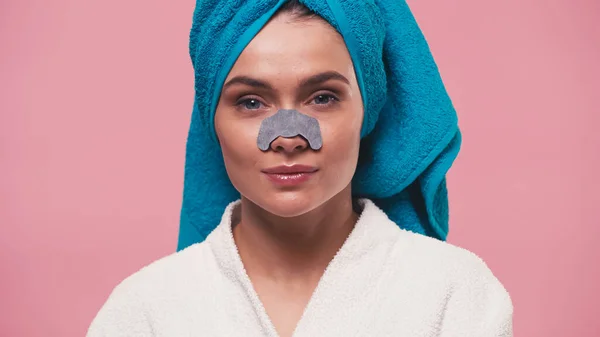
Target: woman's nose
{"x":289,"y":145}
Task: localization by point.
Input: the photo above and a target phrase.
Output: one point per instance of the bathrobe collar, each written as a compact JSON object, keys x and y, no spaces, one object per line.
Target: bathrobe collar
{"x":373,"y":234}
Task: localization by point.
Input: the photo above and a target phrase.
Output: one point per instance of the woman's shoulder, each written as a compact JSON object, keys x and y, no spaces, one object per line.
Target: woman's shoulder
{"x":450,"y":268}
{"x":456,"y":281}
{"x":157,"y":292}
{"x":442,"y":258}
{"x":171,"y":273}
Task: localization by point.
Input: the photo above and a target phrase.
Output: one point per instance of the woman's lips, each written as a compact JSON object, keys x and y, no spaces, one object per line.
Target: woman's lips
{"x":292,"y":169}
{"x":290,"y":175}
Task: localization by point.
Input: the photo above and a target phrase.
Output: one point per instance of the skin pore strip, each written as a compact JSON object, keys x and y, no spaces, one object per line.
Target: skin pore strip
{"x":289,"y":124}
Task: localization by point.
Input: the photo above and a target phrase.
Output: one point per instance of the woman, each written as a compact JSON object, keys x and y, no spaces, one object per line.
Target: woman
{"x":301,"y":111}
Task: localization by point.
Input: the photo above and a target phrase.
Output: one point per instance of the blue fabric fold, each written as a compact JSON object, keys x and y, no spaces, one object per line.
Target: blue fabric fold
{"x":410,"y":134}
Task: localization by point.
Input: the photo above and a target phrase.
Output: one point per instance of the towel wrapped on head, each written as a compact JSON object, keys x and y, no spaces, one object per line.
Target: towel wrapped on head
{"x":410,"y":134}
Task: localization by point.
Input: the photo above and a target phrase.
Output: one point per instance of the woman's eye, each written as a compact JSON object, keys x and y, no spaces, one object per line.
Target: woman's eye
{"x":324,"y":99}
{"x":251,"y":104}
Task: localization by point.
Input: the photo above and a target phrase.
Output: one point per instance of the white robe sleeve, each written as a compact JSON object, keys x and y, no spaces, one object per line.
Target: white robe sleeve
{"x":479,"y":306}
{"x":123,"y":314}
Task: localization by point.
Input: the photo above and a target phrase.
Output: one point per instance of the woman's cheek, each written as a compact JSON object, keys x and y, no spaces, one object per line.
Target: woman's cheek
{"x":340,"y":148}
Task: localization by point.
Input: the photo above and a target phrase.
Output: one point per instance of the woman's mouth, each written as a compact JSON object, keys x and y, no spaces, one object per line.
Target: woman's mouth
{"x":290,"y":175}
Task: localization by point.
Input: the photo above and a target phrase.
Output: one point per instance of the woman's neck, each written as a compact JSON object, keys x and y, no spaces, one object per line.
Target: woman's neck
{"x":293,"y":249}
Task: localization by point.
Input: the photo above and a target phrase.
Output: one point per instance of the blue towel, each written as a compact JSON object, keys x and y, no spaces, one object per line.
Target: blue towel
{"x":410,"y":134}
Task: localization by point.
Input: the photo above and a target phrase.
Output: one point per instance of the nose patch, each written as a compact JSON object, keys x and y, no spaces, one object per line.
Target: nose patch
{"x":289,"y":124}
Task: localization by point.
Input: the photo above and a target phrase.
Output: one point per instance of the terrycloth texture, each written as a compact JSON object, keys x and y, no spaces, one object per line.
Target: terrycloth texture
{"x":384,"y":281}
{"x":410,"y":132}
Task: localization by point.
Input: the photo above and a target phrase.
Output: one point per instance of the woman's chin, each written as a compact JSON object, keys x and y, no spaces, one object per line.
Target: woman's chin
{"x":290,"y":204}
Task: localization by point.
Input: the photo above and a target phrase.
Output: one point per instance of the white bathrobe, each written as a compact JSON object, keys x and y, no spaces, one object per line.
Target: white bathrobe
{"x":384,"y":281}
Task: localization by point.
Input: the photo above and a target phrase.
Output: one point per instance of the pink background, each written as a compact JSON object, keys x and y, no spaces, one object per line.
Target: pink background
{"x":95,"y":99}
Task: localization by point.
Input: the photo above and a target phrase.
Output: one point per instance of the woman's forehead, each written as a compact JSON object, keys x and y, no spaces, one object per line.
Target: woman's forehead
{"x":288,"y":45}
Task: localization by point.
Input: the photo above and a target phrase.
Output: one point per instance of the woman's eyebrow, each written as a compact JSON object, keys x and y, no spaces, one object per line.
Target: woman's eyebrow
{"x":308,"y":82}
{"x":249,"y":81}
{"x":323,"y":77}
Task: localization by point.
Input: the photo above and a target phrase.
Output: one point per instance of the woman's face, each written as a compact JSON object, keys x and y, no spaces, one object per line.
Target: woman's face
{"x":300,"y":64}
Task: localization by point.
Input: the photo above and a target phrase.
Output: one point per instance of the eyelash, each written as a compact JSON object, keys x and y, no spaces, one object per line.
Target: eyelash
{"x":241,"y":102}
{"x":332,"y":100}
